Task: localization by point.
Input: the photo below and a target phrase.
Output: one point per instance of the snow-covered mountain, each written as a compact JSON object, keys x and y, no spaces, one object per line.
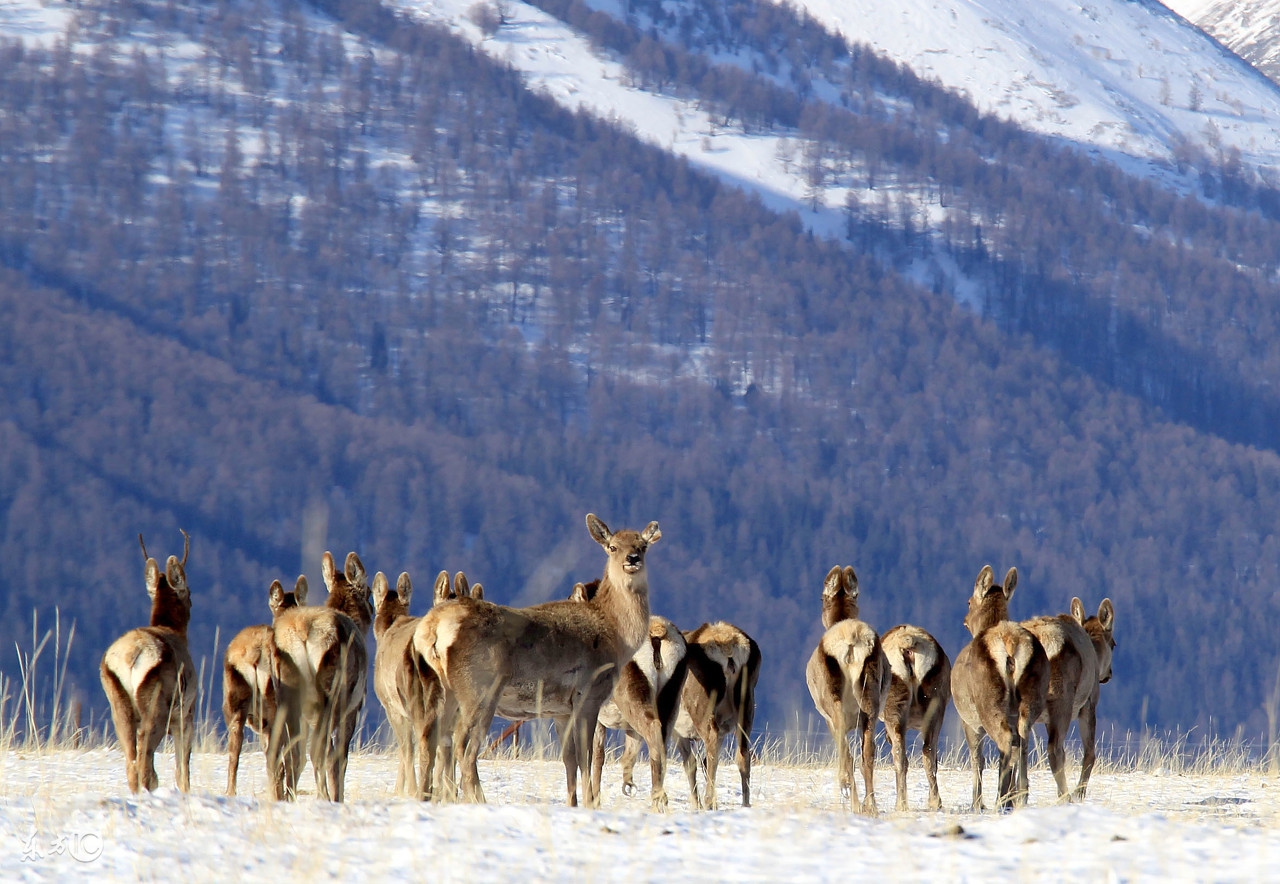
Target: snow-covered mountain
{"x":1126,"y":78}
{"x":1130,"y":80}
{"x":1250,"y":28}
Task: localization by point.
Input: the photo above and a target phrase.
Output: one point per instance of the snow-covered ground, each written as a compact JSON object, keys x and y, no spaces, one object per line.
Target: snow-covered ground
{"x":66,"y":814}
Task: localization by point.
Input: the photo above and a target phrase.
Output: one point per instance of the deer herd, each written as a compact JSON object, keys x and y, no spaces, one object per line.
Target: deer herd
{"x":596,"y":661}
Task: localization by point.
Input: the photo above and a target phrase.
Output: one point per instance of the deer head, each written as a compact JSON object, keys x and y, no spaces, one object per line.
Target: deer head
{"x":170,"y":596}
{"x":989,"y":603}
{"x":625,"y":549}
{"x":839,"y":596}
{"x":278,"y":600}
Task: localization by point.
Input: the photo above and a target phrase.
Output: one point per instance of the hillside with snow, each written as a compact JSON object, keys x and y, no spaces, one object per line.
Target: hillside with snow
{"x":1129,"y":81}
{"x":1250,"y":28}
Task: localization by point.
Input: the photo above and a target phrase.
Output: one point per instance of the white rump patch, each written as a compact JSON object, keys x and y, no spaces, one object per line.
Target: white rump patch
{"x":131,"y":658}
{"x":1006,"y":640}
{"x":727,"y":646}
{"x":1051,"y":633}
{"x":924,"y":653}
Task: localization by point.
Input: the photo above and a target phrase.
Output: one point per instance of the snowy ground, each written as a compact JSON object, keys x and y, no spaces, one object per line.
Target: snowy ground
{"x":66,"y":814}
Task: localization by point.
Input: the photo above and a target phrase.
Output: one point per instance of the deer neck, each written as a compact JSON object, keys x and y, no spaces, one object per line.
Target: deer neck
{"x":837,"y":608}
{"x":989,"y":613}
{"x":353,"y":607}
{"x":387,"y":615}
{"x":170,"y":612}
{"x":624,"y":599}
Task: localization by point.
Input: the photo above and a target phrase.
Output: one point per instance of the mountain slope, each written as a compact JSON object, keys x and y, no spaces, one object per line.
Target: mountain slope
{"x":264,"y":262}
{"x":1249,"y":28}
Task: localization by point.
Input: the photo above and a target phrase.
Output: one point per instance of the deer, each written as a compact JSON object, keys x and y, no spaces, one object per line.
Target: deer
{"x":319,"y":674}
{"x":999,"y":685}
{"x":149,"y":678}
{"x":643,"y":704}
{"x":849,"y":678}
{"x":559,"y":659}
{"x":248,"y":697}
{"x":718,"y":699}
{"x":397,"y":680}
{"x":1099,"y":627}
{"x":919,"y":687}
{"x":1073,"y":682}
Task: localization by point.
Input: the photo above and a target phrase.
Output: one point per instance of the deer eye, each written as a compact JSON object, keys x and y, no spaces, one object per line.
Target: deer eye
{"x":613,"y":548}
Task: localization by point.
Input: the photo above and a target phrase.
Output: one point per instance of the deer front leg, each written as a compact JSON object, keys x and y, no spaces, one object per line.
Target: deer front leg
{"x":630,"y":753}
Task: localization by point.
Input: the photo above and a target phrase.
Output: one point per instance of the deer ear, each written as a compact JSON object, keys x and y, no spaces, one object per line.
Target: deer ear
{"x":986,"y":580}
{"x":404,"y":587}
{"x":300,"y":589}
{"x":152,"y":577}
{"x":275,"y":596}
{"x":831,"y":584}
{"x":441,"y":590}
{"x":1077,"y":611}
{"x":1010,"y":583}
{"x":328,"y":570}
{"x":461,"y":586}
{"x":177,"y":578}
{"x":380,"y":589}
{"x":1106,"y":614}
{"x":651,"y":533}
{"x":355,"y":570}
{"x":477,"y":591}
{"x":851,"y":581}
{"x":599,"y":530}
{"x":579,"y":593}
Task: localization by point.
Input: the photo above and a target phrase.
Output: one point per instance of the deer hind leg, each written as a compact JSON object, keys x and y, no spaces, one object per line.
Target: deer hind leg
{"x":1056,"y":737}
{"x":650,"y":730}
{"x":743,"y":758}
{"x":689,"y":759}
{"x":929,"y":734}
{"x":866,"y":727}
{"x":844,"y":757}
{"x":236,"y":697}
{"x":973,"y":738}
{"x":895,"y":728}
{"x":182,"y":726}
{"x":569,"y":756}
{"x":406,"y":780}
{"x":630,"y":754}
{"x":125,"y":717}
{"x":1027,"y":715}
{"x":712,"y":739}
{"x":474,"y":715}
{"x":348,"y":720}
{"x":155,"y":701}
{"x":1010,"y":747}
{"x":1087,"y":724}
{"x":597,"y":757}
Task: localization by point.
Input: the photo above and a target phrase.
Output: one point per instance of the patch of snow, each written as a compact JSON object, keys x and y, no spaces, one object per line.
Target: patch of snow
{"x":68,"y":814}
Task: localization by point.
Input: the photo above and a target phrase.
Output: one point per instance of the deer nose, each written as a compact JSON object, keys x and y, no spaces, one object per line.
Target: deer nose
{"x":633,"y":558}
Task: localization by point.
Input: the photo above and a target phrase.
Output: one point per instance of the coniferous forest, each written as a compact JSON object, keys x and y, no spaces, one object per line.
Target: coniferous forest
{"x":295,"y":277}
